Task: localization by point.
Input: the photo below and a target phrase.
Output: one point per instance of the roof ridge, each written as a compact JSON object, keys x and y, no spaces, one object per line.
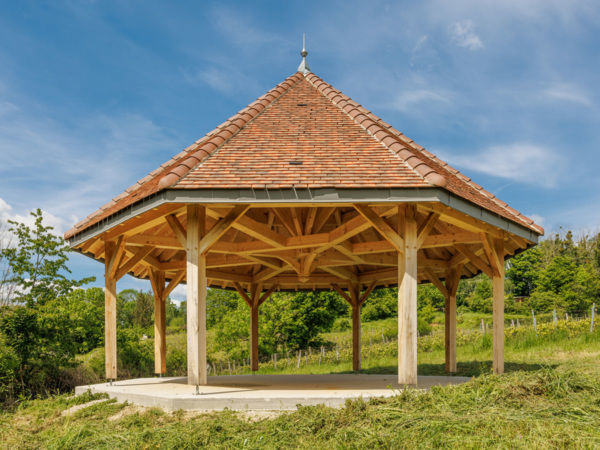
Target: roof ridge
{"x":226,"y":131}
{"x":394,"y":140}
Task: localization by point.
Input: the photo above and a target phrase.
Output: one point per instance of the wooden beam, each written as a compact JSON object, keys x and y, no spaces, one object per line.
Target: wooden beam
{"x":174,"y":282}
{"x":365,"y":295}
{"x":221,"y":227}
{"x":145,"y":221}
{"x":342,"y":273}
{"x":340,"y":291}
{"x":426,"y":228}
{"x":113,"y":261}
{"x":177,"y":229}
{"x":286,"y":221}
{"x":265,"y":296}
{"x":407,"y":301}
{"x":196,"y":297}
{"x":131,"y":262}
{"x":155,"y":241}
{"x":240,"y":290}
{"x":461,"y":220}
{"x":488,"y":247}
{"x":296,"y":220}
{"x":259,"y":231}
{"x":381,"y":226}
{"x":476,"y":260}
{"x":449,"y":239}
{"x":436,"y":282}
{"x":323,"y":216}
{"x":310,"y":220}
{"x":364,"y":248}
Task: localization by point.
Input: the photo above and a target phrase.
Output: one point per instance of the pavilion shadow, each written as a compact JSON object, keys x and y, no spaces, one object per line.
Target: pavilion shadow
{"x":464,"y":369}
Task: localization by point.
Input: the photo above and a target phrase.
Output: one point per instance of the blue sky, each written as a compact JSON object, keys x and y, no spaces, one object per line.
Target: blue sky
{"x":96,"y":94}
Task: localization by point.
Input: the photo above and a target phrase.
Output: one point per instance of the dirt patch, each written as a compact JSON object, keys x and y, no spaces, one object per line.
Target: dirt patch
{"x":257,"y":416}
{"x":127,"y":411}
{"x":74,"y":409}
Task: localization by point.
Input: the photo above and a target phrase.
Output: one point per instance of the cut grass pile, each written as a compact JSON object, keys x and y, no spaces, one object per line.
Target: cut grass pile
{"x":549,"y":399}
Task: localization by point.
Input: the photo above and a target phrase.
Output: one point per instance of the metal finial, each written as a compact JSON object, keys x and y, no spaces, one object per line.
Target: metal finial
{"x":303,"y":67}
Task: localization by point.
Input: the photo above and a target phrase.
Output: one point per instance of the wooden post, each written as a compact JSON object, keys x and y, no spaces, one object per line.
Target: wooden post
{"x":498,"y":309}
{"x":110,"y":314}
{"x":157,"y":279}
{"x":254,"y":299}
{"x":452,"y":280}
{"x":355,"y":329}
{"x":196,"y":297}
{"x":356,"y":300}
{"x":254,"y":336}
{"x":407,"y":300}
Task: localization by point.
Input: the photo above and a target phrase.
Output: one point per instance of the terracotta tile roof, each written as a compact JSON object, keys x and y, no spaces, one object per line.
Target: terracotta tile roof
{"x":305,"y":120}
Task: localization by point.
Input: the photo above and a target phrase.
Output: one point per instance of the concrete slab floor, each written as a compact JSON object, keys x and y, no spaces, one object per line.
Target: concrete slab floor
{"x":258,"y":392}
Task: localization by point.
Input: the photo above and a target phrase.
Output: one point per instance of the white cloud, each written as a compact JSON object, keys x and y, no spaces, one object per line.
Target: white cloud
{"x":216,"y":79}
{"x":240,"y":31}
{"x":521,"y":162}
{"x":463,"y":35}
{"x":179,"y":294}
{"x":408,"y":100}
{"x":567,"y":92}
{"x":70,"y":170}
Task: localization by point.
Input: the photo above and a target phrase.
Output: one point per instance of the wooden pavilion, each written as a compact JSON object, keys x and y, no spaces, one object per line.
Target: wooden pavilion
{"x":304,"y":189}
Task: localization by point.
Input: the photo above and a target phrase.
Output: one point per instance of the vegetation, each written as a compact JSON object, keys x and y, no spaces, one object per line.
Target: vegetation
{"x":51,"y":327}
{"x":549,"y":399}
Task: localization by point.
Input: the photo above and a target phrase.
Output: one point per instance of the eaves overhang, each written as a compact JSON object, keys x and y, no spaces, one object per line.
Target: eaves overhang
{"x":283,"y":197}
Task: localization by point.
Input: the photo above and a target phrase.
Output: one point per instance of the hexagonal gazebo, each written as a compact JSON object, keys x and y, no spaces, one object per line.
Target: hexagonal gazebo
{"x":304,"y":189}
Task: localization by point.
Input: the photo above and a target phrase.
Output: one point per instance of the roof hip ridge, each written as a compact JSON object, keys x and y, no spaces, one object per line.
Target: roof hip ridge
{"x":372,"y":124}
{"x":212,"y":141}
{"x":397,"y":142}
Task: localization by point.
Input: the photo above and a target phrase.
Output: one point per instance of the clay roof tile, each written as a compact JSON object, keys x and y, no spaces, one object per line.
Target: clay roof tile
{"x":250,"y":150}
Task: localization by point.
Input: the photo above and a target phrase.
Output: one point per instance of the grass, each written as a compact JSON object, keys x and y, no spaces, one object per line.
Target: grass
{"x":549,"y":398}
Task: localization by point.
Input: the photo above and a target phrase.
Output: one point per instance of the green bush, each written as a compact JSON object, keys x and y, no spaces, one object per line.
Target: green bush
{"x":342,"y":324}
{"x":423,"y":327}
{"x":176,"y":361}
{"x":135,"y":355}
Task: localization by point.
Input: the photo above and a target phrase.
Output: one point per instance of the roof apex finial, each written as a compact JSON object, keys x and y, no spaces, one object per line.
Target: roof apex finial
{"x":303,"y":67}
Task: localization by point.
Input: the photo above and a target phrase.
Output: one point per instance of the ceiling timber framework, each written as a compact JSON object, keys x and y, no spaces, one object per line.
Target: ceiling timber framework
{"x":301,"y":247}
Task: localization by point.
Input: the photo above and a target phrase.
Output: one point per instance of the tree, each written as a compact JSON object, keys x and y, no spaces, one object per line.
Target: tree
{"x":38,"y":263}
{"x":296,"y":319}
{"x":7,"y":287}
{"x":144,"y":308}
{"x":523,"y":271}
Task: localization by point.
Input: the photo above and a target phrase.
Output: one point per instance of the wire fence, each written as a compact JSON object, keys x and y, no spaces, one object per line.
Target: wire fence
{"x":376,"y":343}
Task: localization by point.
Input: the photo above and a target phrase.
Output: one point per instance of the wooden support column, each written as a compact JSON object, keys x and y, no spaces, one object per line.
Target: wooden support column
{"x":407,"y":299}
{"x":354,"y":292}
{"x":498,"y":307}
{"x":452,"y":280}
{"x":254,"y":292}
{"x":110,"y":310}
{"x":110,"y":313}
{"x":356,"y":300}
{"x":157,"y":279}
{"x":254,"y":299}
{"x":196,"y":296}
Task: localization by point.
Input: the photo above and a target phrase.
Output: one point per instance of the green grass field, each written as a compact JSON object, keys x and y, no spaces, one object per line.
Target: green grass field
{"x":549,"y":398}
